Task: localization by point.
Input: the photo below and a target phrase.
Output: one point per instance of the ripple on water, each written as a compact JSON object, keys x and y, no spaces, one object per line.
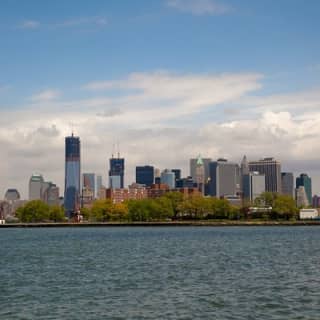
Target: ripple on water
{"x":160,"y":273}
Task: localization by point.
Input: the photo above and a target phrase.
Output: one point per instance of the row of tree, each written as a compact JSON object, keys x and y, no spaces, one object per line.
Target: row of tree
{"x":171,"y":206}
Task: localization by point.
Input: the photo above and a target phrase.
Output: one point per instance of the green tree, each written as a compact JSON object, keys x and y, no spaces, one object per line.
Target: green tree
{"x":176,"y":199}
{"x":34,"y":211}
{"x":285,"y":207}
{"x":101,"y":210}
{"x":56,"y":214}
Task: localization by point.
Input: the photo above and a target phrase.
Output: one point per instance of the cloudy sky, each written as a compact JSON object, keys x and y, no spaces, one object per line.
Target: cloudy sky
{"x":166,"y":79}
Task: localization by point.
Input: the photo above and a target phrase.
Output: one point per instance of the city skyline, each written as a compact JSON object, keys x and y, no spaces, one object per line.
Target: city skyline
{"x":168,"y":79}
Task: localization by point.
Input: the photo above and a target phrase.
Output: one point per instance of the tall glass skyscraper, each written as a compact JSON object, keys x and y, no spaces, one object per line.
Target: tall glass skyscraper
{"x":116,"y":173}
{"x":72,"y":175}
{"x":305,"y":181}
{"x":145,"y":175}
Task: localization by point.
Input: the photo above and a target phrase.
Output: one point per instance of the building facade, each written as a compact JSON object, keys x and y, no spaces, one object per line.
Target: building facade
{"x":287,"y":183}
{"x":224,"y":178}
{"x":35,"y":187}
{"x":301,"y":197}
{"x":72,"y":175}
{"x":116,"y":173}
{"x":253,"y":185}
{"x":305,"y":181}
{"x":272,"y":171}
{"x":145,"y":175}
{"x":169,"y":178}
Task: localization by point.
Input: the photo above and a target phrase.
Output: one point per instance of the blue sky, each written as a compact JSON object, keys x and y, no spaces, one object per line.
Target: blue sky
{"x":115,"y":68}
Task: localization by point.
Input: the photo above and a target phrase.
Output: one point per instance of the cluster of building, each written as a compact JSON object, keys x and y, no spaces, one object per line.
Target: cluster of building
{"x":217,"y":178}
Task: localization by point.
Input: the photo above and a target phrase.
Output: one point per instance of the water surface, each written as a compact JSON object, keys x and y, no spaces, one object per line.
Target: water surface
{"x":160,"y":273}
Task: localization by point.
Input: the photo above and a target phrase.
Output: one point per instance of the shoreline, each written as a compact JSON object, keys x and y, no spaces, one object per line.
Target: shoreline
{"x":163,"y":224}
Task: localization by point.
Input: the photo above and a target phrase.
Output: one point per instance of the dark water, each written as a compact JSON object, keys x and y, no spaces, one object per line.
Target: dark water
{"x":160,"y":273}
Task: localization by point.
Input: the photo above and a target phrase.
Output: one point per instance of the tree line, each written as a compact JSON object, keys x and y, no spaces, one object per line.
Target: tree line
{"x":171,"y":206}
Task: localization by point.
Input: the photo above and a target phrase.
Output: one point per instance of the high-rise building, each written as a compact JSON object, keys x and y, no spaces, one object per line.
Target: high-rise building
{"x":305,"y":181}
{"x":301,"y":197}
{"x":272,"y":171}
{"x":287,"y":183}
{"x":72,"y":175}
{"x":177,"y":173}
{"x":116,"y":173}
{"x":99,"y":184}
{"x":89,"y":183}
{"x":35,"y":187}
{"x":193,"y":168}
{"x":224,"y":178}
{"x":168,"y":177}
{"x":316,"y":201}
{"x":145,"y":175}
{"x":50,"y":194}
{"x":253,"y":185}
{"x":200,"y":175}
{"x":12,"y":195}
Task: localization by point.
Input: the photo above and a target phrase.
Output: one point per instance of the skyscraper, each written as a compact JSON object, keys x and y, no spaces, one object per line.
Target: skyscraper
{"x":272,"y":171}
{"x":200,"y":175}
{"x":116,"y":173}
{"x":224,"y":178}
{"x":168,"y":177}
{"x":145,"y":175}
{"x":287,"y":183}
{"x":35,"y":187}
{"x":88,"y":182}
{"x":305,"y":181}
{"x":72,"y":175}
{"x":193,"y":168}
{"x":253,"y":185}
{"x":99,"y":184}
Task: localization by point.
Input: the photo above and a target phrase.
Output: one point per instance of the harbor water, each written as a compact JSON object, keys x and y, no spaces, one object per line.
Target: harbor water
{"x":160,"y":273}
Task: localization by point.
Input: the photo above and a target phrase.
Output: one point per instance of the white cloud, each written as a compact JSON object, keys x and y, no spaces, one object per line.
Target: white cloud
{"x":200,"y":7}
{"x":30,"y":24}
{"x":145,"y":117}
{"x":46,"y":95}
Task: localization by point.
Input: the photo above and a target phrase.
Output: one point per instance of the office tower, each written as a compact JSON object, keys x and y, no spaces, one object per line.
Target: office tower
{"x":50,"y":194}
{"x":35,"y":187}
{"x":305,"y":181}
{"x":185,"y":183}
{"x":200,"y":175}
{"x":168,"y":178}
{"x":157,"y":173}
{"x":287,"y":183}
{"x":145,"y":175}
{"x":177,"y":173}
{"x":254,"y":184}
{"x":88,"y":183}
{"x":116,"y":173}
{"x":244,"y":166}
{"x":193,"y":168}
{"x":315,"y":201}
{"x":12,"y":195}
{"x":224,"y":178}
{"x":301,"y":197}
{"x":99,"y":184}
{"x":272,"y":171}
{"x":72,"y":175}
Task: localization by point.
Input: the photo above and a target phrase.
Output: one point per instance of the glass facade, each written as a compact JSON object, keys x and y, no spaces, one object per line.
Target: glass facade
{"x":305,"y":181}
{"x":117,"y":169}
{"x":145,"y":175}
{"x":72,"y":175}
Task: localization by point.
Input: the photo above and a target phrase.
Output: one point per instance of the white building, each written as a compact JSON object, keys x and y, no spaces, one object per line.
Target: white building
{"x":35,"y":187}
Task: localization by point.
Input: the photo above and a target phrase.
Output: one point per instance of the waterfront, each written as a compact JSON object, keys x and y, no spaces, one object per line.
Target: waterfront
{"x":160,"y":273}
